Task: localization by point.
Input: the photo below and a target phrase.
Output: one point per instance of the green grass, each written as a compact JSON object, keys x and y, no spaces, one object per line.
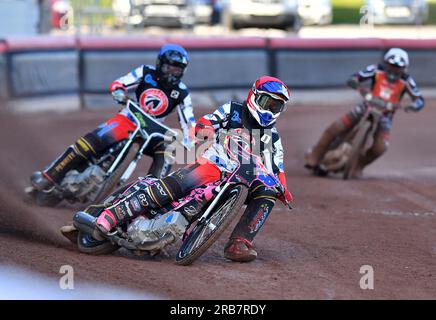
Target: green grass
{"x":431,"y":12}
{"x":348,"y":11}
{"x":98,"y":19}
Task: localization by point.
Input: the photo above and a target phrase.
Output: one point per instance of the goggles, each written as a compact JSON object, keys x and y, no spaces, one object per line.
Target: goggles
{"x":268,"y":103}
{"x":172,"y":70}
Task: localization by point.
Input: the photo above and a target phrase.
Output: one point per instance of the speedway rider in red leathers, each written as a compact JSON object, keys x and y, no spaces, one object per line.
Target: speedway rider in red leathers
{"x":389,"y":82}
{"x":159,"y":91}
{"x":256,"y":117}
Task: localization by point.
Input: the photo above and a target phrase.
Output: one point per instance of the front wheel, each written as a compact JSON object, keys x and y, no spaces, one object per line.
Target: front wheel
{"x":358,"y":143}
{"x":113,"y":181}
{"x":204,"y":234}
{"x":44,"y":199}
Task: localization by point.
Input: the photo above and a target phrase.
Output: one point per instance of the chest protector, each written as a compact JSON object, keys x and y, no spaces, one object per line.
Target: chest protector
{"x":388,"y":91}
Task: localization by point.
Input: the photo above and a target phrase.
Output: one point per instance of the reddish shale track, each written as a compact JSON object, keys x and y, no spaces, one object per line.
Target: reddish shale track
{"x":386,"y":220}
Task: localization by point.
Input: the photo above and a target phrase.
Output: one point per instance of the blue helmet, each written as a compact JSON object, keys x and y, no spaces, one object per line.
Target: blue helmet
{"x":171,"y":64}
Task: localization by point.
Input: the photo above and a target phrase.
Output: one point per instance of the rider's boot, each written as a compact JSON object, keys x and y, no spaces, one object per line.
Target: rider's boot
{"x":135,"y":202}
{"x":73,"y":156}
{"x":315,"y":154}
{"x":41,"y":181}
{"x":240,"y":247}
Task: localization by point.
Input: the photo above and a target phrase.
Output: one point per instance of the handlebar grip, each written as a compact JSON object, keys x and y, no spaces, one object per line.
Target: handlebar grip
{"x":170,"y":138}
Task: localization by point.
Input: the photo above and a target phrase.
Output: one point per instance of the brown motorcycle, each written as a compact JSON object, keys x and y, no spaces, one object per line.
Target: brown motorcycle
{"x":345,"y":151}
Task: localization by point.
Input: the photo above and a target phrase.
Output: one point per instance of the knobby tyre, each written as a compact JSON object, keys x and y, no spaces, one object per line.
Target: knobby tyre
{"x":203,"y":235}
{"x":112,"y":182}
{"x":358,"y":143}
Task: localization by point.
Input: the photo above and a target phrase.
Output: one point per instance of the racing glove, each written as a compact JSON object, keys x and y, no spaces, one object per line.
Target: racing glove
{"x":416,"y":105}
{"x":204,"y":130}
{"x":120,"y":96}
{"x":353,"y":82}
{"x":286,"y":197}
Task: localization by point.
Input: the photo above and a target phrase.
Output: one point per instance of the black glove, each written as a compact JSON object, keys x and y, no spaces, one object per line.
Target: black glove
{"x":353,"y":83}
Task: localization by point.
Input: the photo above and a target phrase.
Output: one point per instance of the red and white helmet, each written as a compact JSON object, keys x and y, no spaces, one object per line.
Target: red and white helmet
{"x":267,"y":99}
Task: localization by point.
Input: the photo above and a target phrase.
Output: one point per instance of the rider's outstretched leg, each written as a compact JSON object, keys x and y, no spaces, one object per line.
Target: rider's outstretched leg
{"x":90,"y":145}
{"x":342,"y":125}
{"x":73,"y":156}
{"x":162,"y":157}
{"x":315,"y":154}
{"x":260,"y":203}
{"x":138,"y":200}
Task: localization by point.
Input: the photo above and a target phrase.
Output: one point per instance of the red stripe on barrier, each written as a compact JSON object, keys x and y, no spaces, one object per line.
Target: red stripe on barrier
{"x":40,"y":43}
{"x":216,"y":42}
{"x":121,"y":42}
{"x":3,"y":47}
{"x":410,"y":43}
{"x":219,"y":42}
{"x":340,"y":43}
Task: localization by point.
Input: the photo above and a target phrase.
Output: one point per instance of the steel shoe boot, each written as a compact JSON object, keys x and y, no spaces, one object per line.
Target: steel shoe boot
{"x":240,"y":250}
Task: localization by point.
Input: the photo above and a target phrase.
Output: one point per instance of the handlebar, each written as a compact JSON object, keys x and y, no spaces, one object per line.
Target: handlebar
{"x":377,"y":102}
{"x":167,"y":138}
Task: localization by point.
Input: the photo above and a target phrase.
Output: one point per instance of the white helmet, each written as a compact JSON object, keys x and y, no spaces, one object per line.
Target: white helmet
{"x":397,"y":57}
{"x":396,"y":61}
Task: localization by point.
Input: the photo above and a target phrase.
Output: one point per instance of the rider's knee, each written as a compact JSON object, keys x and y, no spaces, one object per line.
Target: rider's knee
{"x":89,"y":145}
{"x":259,"y":190}
{"x":165,"y":190}
{"x":336,"y":128}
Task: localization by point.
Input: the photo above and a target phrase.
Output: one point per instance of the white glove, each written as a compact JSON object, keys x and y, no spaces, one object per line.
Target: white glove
{"x":188,"y":143}
{"x":119,"y":96}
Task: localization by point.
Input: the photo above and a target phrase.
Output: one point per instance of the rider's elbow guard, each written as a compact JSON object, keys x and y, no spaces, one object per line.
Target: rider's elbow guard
{"x":116,"y":85}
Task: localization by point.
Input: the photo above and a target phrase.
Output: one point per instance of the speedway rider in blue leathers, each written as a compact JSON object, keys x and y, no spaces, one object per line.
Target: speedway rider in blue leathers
{"x":159,"y":91}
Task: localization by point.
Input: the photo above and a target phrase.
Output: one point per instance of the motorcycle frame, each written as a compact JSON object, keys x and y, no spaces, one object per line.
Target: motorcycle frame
{"x":143,"y":133}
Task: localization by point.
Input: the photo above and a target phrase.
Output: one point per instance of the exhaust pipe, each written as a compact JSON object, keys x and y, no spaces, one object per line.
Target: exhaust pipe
{"x":84,"y":222}
{"x":148,"y":245}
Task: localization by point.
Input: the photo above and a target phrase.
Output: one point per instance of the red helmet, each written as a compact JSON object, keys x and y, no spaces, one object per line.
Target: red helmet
{"x":267,"y":99}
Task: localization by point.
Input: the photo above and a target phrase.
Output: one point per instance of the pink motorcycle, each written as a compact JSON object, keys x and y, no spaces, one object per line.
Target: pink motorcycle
{"x":195,"y":226}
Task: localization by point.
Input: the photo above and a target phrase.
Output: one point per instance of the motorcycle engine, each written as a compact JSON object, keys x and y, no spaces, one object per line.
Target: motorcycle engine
{"x":142,"y":230}
{"x":83,"y":184}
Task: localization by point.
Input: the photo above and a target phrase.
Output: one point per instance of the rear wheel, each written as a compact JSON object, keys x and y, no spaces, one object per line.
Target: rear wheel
{"x":358,"y":143}
{"x":87,"y":244}
{"x":113,"y":181}
{"x":204,"y":234}
{"x":46,"y":199}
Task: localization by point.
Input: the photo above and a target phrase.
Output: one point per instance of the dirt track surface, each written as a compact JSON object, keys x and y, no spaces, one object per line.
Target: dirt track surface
{"x":386,"y":220}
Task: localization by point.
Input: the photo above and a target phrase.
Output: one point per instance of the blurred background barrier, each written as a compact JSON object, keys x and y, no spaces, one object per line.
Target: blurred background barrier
{"x":41,"y":66}
{"x":322,"y":63}
{"x":3,"y":71}
{"x":87,"y":65}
